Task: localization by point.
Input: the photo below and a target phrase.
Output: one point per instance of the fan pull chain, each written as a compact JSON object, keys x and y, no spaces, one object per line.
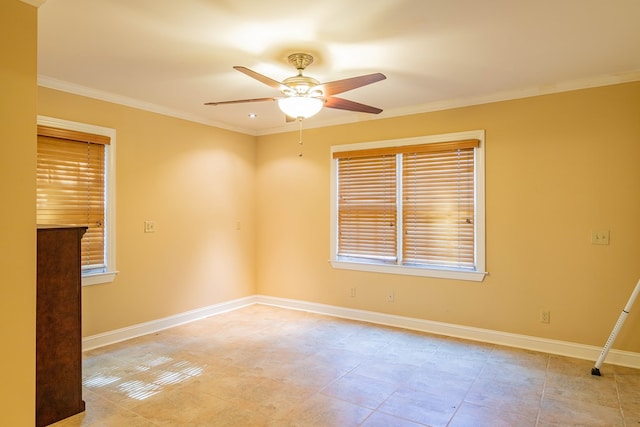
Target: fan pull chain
{"x":300,"y":136}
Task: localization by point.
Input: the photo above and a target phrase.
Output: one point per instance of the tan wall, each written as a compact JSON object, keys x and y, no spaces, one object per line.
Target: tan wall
{"x":17,"y":217}
{"x":557,"y":166}
{"x":196,"y":182}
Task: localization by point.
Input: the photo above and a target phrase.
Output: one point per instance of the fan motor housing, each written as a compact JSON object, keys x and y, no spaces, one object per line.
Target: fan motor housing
{"x":301,"y":85}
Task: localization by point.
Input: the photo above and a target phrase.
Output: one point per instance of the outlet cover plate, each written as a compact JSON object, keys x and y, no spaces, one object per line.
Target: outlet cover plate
{"x":599,"y":237}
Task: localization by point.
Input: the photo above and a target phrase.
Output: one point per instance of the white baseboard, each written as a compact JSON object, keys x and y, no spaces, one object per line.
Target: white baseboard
{"x":112,"y":337}
{"x":563,"y":348}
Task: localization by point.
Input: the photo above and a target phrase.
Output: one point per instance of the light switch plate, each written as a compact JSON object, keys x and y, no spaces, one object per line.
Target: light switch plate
{"x":149,"y":226}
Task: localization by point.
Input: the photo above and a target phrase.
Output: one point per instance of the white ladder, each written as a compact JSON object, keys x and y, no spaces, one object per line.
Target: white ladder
{"x":616,"y":329}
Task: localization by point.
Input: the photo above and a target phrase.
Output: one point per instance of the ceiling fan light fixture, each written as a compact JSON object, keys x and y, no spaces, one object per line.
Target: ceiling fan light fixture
{"x":300,"y":106}
{"x":303,"y":96}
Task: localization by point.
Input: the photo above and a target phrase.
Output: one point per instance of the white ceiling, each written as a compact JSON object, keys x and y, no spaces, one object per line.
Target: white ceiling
{"x":171,"y":56}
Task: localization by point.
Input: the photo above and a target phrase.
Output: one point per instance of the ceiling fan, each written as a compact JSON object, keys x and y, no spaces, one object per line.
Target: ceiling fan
{"x":303,"y":96}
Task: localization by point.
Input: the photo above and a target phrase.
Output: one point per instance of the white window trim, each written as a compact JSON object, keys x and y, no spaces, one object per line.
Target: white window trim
{"x":444,"y":273}
{"x":110,"y":255}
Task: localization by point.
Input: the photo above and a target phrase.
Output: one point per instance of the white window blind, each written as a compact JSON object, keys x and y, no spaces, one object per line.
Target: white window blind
{"x":367,"y":207}
{"x":411,"y":205}
{"x":438,"y":208}
{"x":71,"y":187}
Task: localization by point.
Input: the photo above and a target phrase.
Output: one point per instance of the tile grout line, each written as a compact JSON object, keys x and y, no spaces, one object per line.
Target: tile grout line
{"x":544,"y":389}
{"x":475,"y":380}
{"x":615,"y":381}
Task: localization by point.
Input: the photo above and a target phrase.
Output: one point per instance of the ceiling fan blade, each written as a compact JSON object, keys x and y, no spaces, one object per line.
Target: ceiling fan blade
{"x":345,"y":104}
{"x":260,"y":77}
{"x":339,"y":86}
{"x":239,"y":101}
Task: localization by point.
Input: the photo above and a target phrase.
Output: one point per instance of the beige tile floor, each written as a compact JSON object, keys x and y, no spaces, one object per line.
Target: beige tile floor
{"x":268,"y":366}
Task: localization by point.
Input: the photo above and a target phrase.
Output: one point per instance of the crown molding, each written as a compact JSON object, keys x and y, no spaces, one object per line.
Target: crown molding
{"x":36,"y":3}
{"x":567,"y":86}
{"x":75,"y":89}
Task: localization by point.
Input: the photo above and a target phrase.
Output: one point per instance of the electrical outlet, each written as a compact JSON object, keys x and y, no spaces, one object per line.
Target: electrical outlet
{"x":390,"y":297}
{"x":545,"y":316}
{"x":352,"y":292}
{"x":599,"y":237}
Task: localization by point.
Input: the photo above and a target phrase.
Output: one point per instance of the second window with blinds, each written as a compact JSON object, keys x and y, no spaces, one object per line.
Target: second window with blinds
{"x":412,"y":206}
{"x":75,"y":187}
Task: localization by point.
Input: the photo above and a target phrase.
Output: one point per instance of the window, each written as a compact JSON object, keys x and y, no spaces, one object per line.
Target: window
{"x":413,"y":206}
{"x":75,"y":187}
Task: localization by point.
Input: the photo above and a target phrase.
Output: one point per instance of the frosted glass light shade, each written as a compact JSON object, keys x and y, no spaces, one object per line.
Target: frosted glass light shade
{"x":300,"y":106}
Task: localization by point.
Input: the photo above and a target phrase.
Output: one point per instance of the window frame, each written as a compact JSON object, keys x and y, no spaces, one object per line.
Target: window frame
{"x":108,"y":276}
{"x":476,"y":275}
